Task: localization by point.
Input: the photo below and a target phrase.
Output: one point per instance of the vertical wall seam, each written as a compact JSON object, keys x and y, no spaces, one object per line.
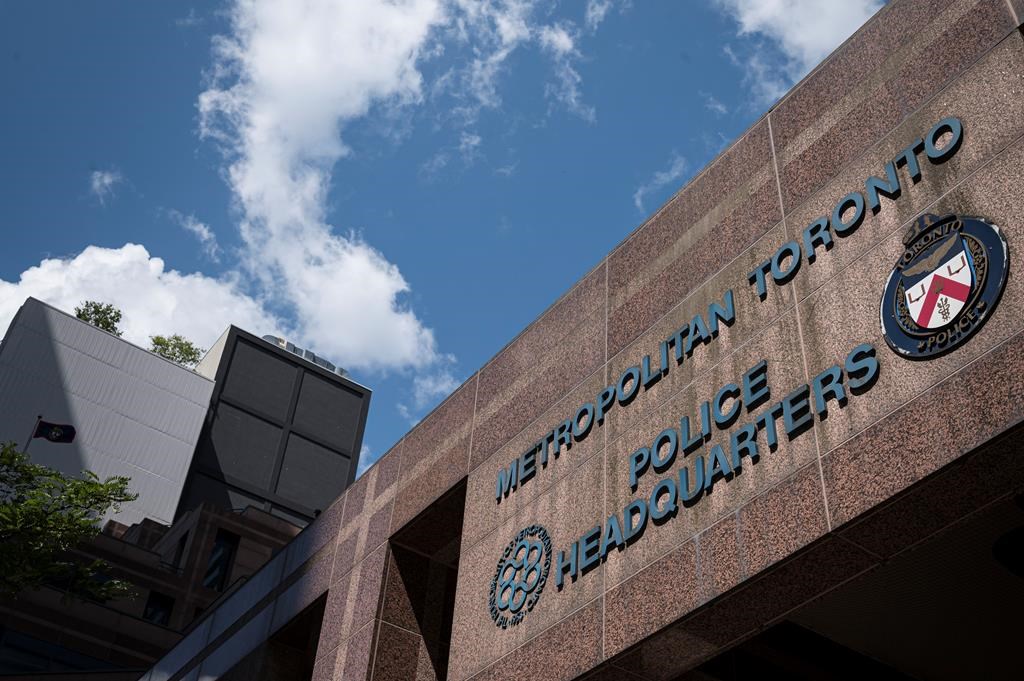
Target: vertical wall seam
{"x":398,"y":486}
{"x":472,"y":422}
{"x":337,"y":534}
{"x":373,"y":655}
{"x":799,"y":323}
{"x":379,"y":613}
{"x":604,"y":462}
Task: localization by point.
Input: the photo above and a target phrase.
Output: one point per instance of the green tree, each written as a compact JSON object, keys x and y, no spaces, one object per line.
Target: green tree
{"x":101,"y":315}
{"x":44,"y":515}
{"x":177,"y":349}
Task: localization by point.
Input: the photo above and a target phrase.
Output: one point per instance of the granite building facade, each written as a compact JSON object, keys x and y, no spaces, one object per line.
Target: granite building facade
{"x":716,"y":456}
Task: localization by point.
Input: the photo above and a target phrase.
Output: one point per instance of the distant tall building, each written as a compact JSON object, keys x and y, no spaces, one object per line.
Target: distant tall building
{"x":137,"y":414}
{"x":230,"y":461}
{"x":283,"y":431}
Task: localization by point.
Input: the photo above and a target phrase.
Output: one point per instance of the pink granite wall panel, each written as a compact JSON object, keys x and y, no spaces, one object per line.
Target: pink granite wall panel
{"x":435,"y":454}
{"x":551,"y":356}
{"x":879,"y":76}
{"x":727,"y":207}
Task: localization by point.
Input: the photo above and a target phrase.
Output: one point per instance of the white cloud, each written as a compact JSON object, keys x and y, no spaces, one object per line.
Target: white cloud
{"x":803,"y":31}
{"x":430,"y":388}
{"x":152,"y":298}
{"x":560,"y":44}
{"x":285,"y":83}
{"x":662,"y":178}
{"x":366,"y":459}
{"x":102,"y":184}
{"x":468,"y":148}
{"x":493,"y":30}
{"x":507,"y":170}
{"x":202,"y":232}
{"x":712,"y":104}
{"x":434,"y":165}
{"x":557,"y":40}
{"x":595,"y":13}
{"x":191,"y":20}
{"x":469,"y":144}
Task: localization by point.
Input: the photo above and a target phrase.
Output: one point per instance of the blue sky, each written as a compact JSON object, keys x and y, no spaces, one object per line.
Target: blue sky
{"x":400,"y":186}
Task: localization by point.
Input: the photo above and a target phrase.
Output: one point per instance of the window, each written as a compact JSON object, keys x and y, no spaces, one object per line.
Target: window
{"x":158,"y":608}
{"x":222,"y":557}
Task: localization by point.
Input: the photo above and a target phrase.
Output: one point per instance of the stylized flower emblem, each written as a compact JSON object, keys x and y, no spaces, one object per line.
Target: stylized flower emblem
{"x":520,"y":576}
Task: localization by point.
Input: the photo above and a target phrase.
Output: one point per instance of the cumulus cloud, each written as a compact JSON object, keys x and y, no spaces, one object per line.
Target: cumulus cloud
{"x":202,"y":232}
{"x":673,"y":173}
{"x":286,"y":81}
{"x":791,"y":37}
{"x":103,"y":184}
{"x":153,"y":298}
{"x":284,"y":85}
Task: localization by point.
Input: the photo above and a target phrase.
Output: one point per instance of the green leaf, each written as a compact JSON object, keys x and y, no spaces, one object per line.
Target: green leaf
{"x":45,"y":514}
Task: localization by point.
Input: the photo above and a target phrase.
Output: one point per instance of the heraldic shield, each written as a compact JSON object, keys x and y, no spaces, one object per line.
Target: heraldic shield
{"x":939,"y":283}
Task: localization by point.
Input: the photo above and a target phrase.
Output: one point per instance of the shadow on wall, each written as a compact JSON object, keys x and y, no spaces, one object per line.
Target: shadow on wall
{"x":136,"y":414}
{"x":420,"y":588}
{"x":33,"y":383}
{"x":288,"y":655}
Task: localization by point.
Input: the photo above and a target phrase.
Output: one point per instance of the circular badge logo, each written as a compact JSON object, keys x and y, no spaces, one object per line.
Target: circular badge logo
{"x":520,"y":576}
{"x":944,"y":286}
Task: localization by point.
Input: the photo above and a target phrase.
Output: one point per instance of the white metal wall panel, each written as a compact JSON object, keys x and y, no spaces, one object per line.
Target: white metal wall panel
{"x":136,"y":413}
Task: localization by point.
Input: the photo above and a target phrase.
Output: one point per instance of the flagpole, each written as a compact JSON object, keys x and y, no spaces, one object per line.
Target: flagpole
{"x":32,"y":435}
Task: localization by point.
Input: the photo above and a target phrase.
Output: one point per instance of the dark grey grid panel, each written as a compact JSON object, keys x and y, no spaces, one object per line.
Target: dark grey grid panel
{"x":260,"y":380}
{"x":241,"y":446}
{"x":328,"y":411}
{"x":311,"y":475}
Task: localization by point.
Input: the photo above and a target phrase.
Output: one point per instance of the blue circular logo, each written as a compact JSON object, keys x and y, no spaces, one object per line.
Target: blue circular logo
{"x":945,"y":285}
{"x":520,"y":576}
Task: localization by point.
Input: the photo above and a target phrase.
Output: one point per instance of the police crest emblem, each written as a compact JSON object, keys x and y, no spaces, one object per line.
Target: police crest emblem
{"x":945,"y":285}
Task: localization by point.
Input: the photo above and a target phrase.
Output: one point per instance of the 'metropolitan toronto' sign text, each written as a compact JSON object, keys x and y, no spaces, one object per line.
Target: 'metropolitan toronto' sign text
{"x":691,"y":435}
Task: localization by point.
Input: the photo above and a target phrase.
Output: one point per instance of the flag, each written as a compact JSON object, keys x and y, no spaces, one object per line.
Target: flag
{"x":55,"y":432}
